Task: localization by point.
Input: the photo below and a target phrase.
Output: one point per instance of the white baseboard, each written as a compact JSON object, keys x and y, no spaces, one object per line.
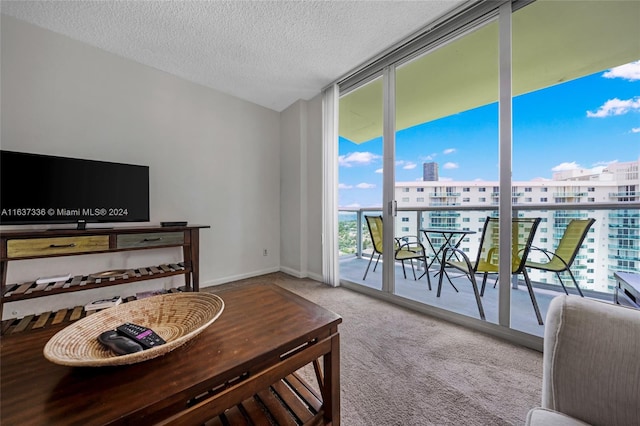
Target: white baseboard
{"x":288,"y":271}
{"x":240,"y":277}
{"x":315,"y":277}
{"x":292,"y":272}
{"x":298,"y":274}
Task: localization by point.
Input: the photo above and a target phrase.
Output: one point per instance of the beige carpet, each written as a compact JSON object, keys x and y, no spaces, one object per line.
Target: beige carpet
{"x":399,"y":367}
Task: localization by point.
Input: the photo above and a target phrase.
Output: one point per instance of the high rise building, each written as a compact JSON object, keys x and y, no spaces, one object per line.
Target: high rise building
{"x":612,"y":244}
{"x":430,"y":172}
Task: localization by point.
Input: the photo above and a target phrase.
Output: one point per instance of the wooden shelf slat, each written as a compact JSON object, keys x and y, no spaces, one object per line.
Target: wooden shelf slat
{"x":58,"y":284}
{"x":22,"y":288}
{"x":9,"y":289}
{"x":76,"y":313}
{"x":26,"y":291}
{"x":54,"y":318}
{"x":59,"y":317}
{"x":22,"y":325}
{"x":42,"y":320}
{"x":255,"y":412}
{"x":305,"y":391}
{"x":38,"y":287}
{"x":275,"y":408}
{"x":281,"y":404}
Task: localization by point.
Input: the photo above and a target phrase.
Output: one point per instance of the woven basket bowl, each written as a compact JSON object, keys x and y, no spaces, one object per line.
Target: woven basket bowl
{"x":176,"y":317}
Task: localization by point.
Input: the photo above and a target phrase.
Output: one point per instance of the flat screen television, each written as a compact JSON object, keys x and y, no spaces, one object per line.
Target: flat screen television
{"x":45,"y":189}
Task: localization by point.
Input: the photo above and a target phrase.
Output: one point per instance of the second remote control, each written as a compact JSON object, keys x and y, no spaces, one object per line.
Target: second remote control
{"x":143,"y":335}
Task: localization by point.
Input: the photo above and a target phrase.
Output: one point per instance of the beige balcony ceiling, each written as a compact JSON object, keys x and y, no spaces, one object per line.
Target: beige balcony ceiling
{"x":553,"y":42}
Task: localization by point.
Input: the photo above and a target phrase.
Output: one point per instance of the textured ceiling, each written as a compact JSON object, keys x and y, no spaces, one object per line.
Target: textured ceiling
{"x":271,"y":53}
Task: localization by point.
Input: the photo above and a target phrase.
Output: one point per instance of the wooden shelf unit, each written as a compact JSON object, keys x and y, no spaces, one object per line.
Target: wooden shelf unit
{"x":39,"y":244}
{"x":61,"y":317}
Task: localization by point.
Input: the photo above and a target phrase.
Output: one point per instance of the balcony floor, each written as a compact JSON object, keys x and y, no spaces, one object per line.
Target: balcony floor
{"x":523,"y":316}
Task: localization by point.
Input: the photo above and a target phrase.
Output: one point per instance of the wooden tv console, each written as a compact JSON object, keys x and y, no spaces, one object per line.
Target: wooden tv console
{"x":38,"y":244}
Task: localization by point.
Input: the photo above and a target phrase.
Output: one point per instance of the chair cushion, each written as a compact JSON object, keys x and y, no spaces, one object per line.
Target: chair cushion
{"x":408,"y":254}
{"x":544,"y":417}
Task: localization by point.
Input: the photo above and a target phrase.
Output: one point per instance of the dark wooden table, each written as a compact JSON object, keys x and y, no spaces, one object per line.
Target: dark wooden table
{"x":264,"y":335}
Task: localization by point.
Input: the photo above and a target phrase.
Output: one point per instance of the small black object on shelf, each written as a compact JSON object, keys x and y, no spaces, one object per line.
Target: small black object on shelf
{"x":179,"y":223}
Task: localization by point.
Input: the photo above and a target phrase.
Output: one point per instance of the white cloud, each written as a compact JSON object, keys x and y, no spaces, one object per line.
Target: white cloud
{"x":566,"y":166}
{"x":616,"y":107}
{"x":344,"y":186}
{"x":540,"y":179}
{"x":364,"y":185}
{"x":409,"y":166}
{"x":449,"y":151}
{"x":379,"y":170}
{"x":357,"y":159}
{"x":603,"y":163}
{"x":353,"y":206}
{"x":450,"y":165}
{"x":630,"y":71}
{"x":635,"y":130}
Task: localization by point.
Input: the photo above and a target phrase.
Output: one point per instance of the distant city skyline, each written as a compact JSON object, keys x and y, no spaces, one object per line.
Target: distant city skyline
{"x":586,"y":123}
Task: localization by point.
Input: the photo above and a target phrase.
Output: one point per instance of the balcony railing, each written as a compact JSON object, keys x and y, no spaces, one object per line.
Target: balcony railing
{"x":445,"y":204}
{"x":611,"y":251}
{"x":443,"y":214}
{"x":570,"y":215}
{"x":623,"y":226}
{"x":624,"y":214}
{"x":569,"y":194}
{"x":443,"y":194}
{"x":624,"y":194}
{"x":623,"y":247}
{"x":624,"y":237}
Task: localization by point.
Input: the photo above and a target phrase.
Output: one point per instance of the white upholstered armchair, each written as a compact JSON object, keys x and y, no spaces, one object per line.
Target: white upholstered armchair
{"x":591,"y":365}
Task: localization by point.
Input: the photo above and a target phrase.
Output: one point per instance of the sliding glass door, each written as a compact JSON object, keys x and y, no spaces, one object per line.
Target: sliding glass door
{"x":360,"y":176}
{"x":516,"y":115}
{"x":447,"y":162}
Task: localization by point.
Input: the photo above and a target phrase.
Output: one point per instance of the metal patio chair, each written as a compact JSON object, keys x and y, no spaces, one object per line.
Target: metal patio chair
{"x":405,"y":248}
{"x":487,"y":260}
{"x":568,"y":247}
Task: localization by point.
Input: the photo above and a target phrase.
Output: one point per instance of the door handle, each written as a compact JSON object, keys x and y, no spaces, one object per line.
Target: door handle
{"x":393,"y":208}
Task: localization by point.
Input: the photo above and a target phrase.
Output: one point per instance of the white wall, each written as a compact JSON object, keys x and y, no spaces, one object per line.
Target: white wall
{"x":214,"y":159}
{"x":301,"y":189}
{"x":292,"y":189}
{"x":314,"y":188}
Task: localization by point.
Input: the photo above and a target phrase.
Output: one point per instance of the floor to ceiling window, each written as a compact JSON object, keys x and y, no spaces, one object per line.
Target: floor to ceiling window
{"x":360,"y":174}
{"x":575,"y":123}
{"x":572,"y":80}
{"x":447,"y":160}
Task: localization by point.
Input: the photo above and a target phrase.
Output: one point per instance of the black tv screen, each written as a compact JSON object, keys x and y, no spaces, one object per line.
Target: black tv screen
{"x":43,"y":189}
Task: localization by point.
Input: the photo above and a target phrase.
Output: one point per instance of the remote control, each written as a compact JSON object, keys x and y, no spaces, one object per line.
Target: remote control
{"x":119,"y":344}
{"x":143,"y":335}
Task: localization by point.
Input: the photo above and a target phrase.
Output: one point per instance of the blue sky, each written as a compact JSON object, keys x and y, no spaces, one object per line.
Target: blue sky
{"x":585,"y":123}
